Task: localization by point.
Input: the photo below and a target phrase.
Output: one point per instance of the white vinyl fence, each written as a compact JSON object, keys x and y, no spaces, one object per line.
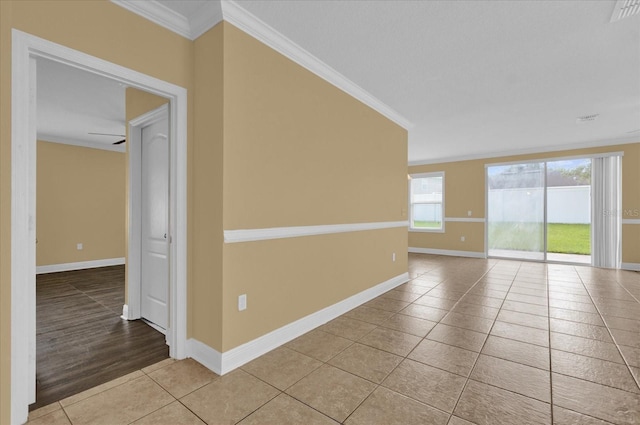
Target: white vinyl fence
{"x":565,"y":204}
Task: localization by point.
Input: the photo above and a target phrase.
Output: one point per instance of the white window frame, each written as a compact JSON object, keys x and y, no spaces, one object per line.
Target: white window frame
{"x":421,"y":176}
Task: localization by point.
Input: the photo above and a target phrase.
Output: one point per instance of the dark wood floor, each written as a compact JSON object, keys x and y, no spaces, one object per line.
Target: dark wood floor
{"x":81,"y":339}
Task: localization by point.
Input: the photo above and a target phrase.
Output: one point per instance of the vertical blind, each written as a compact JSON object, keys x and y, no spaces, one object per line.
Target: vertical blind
{"x":606,"y":204}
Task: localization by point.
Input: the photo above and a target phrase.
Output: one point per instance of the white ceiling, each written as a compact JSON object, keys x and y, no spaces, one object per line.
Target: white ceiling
{"x":471,"y":78}
{"x":71,"y":103}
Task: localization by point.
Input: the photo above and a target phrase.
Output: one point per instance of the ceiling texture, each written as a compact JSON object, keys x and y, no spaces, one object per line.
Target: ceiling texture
{"x":468,"y":79}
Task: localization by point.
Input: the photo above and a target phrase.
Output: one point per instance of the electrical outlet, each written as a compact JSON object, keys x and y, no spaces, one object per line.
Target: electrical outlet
{"x":462,"y":238}
{"x":393,"y":257}
{"x":79,"y":246}
{"x":469,"y":213}
{"x":242,"y":302}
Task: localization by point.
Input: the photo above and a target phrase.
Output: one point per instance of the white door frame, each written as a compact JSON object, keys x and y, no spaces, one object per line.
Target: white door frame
{"x":25,"y":49}
{"x":132,"y":310}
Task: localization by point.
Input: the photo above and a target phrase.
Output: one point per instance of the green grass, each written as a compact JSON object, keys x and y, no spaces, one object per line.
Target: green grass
{"x":561,"y":238}
{"x":427,"y":224}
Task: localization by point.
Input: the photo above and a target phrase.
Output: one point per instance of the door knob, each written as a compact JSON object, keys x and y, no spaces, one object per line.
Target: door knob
{"x":165,"y":236}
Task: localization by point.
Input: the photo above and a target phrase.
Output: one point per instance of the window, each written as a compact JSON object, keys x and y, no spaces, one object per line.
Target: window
{"x":426,"y":202}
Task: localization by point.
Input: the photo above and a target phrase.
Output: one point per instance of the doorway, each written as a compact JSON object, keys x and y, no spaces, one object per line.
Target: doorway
{"x":25,"y":50}
{"x":540,"y":211}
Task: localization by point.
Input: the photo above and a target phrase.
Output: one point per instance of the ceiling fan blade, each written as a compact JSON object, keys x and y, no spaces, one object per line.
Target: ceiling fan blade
{"x":107,"y":134}
{"x":120,"y":142}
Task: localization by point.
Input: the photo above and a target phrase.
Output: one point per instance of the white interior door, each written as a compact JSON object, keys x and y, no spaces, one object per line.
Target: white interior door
{"x":154,"y":271}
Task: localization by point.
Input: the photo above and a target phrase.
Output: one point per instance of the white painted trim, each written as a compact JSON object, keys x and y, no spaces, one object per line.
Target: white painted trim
{"x":82,"y":143}
{"x":250,"y":235}
{"x":453,"y":253}
{"x":125,"y":312}
{"x":566,"y":147}
{"x":554,"y":159}
{"x":222,"y":363}
{"x":81,"y":265}
{"x":465,"y":219}
{"x":158,"y":13}
{"x":630,"y":221}
{"x":631,"y":266}
{"x":235,"y":14}
{"x":25,"y":48}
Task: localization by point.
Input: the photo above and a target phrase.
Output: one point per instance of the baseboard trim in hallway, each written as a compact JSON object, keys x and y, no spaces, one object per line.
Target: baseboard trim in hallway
{"x":222,"y":363}
{"x":81,"y":265}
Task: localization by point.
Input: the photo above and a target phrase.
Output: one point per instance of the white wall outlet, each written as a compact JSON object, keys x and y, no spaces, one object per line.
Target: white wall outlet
{"x":242,"y":302}
{"x":469,"y":213}
{"x":79,"y":247}
{"x":393,"y":257}
{"x":462,"y":238}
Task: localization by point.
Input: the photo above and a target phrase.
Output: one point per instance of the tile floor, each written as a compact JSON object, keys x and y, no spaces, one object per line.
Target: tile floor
{"x":466,"y":341}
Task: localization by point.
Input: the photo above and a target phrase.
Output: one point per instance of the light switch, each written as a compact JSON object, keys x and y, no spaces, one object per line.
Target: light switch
{"x":242,"y":302}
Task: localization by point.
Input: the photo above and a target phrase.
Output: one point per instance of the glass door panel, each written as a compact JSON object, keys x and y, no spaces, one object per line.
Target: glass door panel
{"x":516,"y":211}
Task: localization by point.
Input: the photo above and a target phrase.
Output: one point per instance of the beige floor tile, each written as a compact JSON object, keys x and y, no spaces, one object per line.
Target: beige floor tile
{"x":387,"y":304}
{"x":332,"y":391}
{"x":485,"y":301}
{"x":44,"y":410}
{"x":319,"y":345}
{"x":386,"y":407}
{"x":159,"y":365}
{"x":424,"y":312}
{"x":487,"y":405}
{"x":585,"y":347}
{"x":459,"y":421}
{"x":489,"y":292}
{"x":426,"y":384}
{"x":591,"y":399}
{"x":366,"y":362}
{"x":529,"y":299}
{"x":521,"y":333}
{"x":282,"y":367}
{"x":631,"y":355}
{"x":442,"y":291}
{"x":409,"y":324}
{"x":573,"y":305}
{"x":576,"y":316}
{"x":594,"y":370}
{"x":453,"y":359}
{"x":516,"y":377}
{"x":540,"y":310}
{"x":516,"y":351}
{"x":628,"y":338}
{"x":476,"y":310}
{"x":182,"y":377}
{"x":172,"y":414}
{"x":100,"y":388}
{"x":414,"y":288}
{"x":635,"y":371}
{"x":120,"y":405}
{"x":581,"y":298}
{"x":431,"y":301}
{"x":369,"y":314}
{"x":346,"y":327}
{"x":285,"y":410}
{"x":568,"y":417}
{"x":463,"y":338}
{"x":524,"y":319}
{"x":623,"y":324}
{"x":56,"y":417}
{"x":390,"y":340}
{"x":465,"y":321}
{"x":396,"y":294}
{"x":580,"y":329}
{"x":229,"y":398}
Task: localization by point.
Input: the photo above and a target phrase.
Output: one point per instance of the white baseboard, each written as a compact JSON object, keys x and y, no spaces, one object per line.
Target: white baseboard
{"x":125,"y":312}
{"x":222,"y":363}
{"x":470,"y":254}
{"x":631,"y":266}
{"x":53,"y":268}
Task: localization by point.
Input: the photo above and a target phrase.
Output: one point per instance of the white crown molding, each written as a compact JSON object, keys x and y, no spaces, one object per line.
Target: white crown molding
{"x":158,"y":13}
{"x":489,"y":155}
{"x":250,"y":235}
{"x":81,"y":143}
{"x":81,"y":265}
{"x":449,"y":252}
{"x":241,"y":18}
{"x":222,"y":363}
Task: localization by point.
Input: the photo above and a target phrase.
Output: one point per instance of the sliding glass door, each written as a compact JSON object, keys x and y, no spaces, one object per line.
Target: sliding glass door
{"x":516,"y":211}
{"x":540,"y":210}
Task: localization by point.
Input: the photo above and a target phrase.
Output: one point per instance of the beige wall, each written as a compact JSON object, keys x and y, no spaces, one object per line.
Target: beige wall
{"x":87,"y":26}
{"x":465,"y":190}
{"x":298,"y":151}
{"x":80,"y":199}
